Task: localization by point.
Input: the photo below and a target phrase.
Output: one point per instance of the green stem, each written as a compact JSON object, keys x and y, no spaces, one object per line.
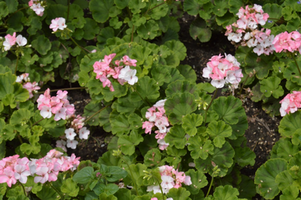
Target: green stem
{"x":54,"y":90}
{"x":244,"y":84}
{"x":62,"y":197}
{"x":96,"y":113}
{"x":297,"y":65}
{"x":153,"y":8}
{"x":160,"y":189}
{"x":37,"y":122}
{"x":16,"y":67}
{"x":68,"y":9}
{"x":210,"y":105}
{"x":132,"y":36}
{"x":211,"y":183}
{"x":135,"y":184}
{"x":23,"y":188}
{"x":84,"y":50}
{"x":19,"y":138}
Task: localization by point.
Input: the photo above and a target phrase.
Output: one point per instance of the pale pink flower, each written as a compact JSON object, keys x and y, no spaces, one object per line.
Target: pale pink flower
{"x":129,"y":75}
{"x":61,"y":144}
{"x":58,"y":23}
{"x":84,"y":133}
{"x":70,"y":134}
{"x":72,"y":144}
{"x":45,"y":112}
{"x":10,"y":40}
{"x":21,"y":41}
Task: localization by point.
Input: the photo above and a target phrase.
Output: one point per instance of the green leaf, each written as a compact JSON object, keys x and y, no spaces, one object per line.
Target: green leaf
{"x":178,"y":194}
{"x":91,"y":29}
{"x":112,"y":173}
{"x":105,"y":34}
{"x":221,"y":157}
{"x":101,"y":9}
{"x":121,"y":4}
{"x":284,"y":149}
{"x":148,"y":30}
{"x":6,"y":84}
{"x":226,"y":192}
{"x":47,"y":193}
{"x":146,"y":89}
{"x":192,"y":7}
{"x":261,"y":64}
{"x":159,"y":11}
{"x":177,"y":47}
{"x":265,"y":177}
{"x":179,"y":87}
{"x":229,"y":109}
{"x":178,"y":106}
{"x":190,"y":122}
{"x":220,"y":7}
{"x":69,"y":187}
{"x":206,"y":12}
{"x":135,"y":174}
{"x":198,"y":179}
{"x":107,"y":189}
{"x":136,"y":6}
{"x":15,"y":22}
{"x":41,"y":44}
{"x":119,"y":123}
{"x":274,"y":10}
{"x":84,"y":176}
{"x":128,"y":143}
{"x":235,"y":5}
{"x":289,"y":124}
{"x":176,"y":137}
{"x":187,"y":72}
{"x":12,"y":5}
{"x":198,"y":29}
{"x":153,"y":158}
{"x":3,"y":9}
{"x":271,"y":86}
{"x":200,"y":148}
{"x":244,"y":156}
{"x":218,"y":131}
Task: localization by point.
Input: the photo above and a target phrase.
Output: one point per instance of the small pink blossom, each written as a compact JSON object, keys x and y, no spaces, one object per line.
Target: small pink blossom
{"x":70,"y":134}
{"x":58,"y":23}
{"x":84,"y":133}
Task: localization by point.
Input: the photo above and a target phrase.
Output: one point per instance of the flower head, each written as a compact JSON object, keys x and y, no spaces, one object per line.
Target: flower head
{"x":58,"y":23}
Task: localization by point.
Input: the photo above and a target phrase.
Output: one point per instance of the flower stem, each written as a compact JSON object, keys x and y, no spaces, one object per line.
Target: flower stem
{"x":62,"y":197}
{"x":244,"y":84}
{"x":23,"y":188}
{"x":84,"y":50}
{"x":16,"y":67}
{"x":37,"y":122}
{"x":153,"y":8}
{"x":210,"y":105}
{"x":97,"y":113}
{"x":211,"y":183}
{"x":297,"y":65}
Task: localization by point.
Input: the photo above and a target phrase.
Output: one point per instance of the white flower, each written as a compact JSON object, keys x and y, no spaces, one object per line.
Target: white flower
{"x":46,"y":112}
{"x":167,"y":182}
{"x":72,"y":144}
{"x":160,"y":103}
{"x":84,"y":133}
{"x":70,"y":134}
{"x":58,"y":23}
{"x":61,"y":144}
{"x":154,"y":188}
{"x":128,"y":75}
{"x":218,"y":83}
{"x":21,"y":41}
{"x":38,"y":9}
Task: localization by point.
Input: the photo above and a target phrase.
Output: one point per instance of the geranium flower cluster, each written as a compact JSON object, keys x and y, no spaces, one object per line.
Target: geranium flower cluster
{"x":13,"y":168}
{"x":223,"y":70}
{"x":58,"y":23}
{"x":76,"y":128}
{"x":157,"y":118}
{"x":37,"y":6}
{"x":171,"y":178}
{"x":288,"y":42}
{"x":11,"y":40}
{"x":57,"y":105}
{"x":290,"y":103}
{"x":119,"y":70}
{"x":245,"y":31}
{"x":25,"y":81}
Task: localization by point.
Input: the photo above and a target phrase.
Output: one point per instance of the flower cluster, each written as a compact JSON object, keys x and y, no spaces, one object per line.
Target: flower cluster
{"x":58,"y":23}
{"x":171,"y":178}
{"x":157,"y":118}
{"x":245,"y":31}
{"x":11,"y":40}
{"x":223,"y":70}
{"x":25,"y":81}
{"x":120,"y":70}
{"x":57,"y":105}
{"x":288,"y":42}
{"x":13,"y":168}
{"x":37,"y":6}
{"x":290,"y":103}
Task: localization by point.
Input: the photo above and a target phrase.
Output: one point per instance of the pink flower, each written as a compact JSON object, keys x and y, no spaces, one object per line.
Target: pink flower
{"x":148,"y":126}
{"x":72,"y":144}
{"x":10,"y":40}
{"x":58,"y":23}
{"x":290,"y":103}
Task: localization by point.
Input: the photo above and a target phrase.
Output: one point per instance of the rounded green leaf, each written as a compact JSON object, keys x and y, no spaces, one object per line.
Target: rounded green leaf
{"x":200,"y":148}
{"x":177,"y":47}
{"x":128,"y":143}
{"x":176,"y":137}
{"x":198,"y":29}
{"x":218,"y":131}
{"x":153,"y":158}
{"x":179,"y":87}
{"x":3,"y":9}
{"x":84,"y":176}
{"x":198,"y":179}
{"x":187,"y":72}
{"x":289,"y":124}
{"x":148,"y":30}
{"x":220,"y":7}
{"x":69,"y":187}
{"x":192,"y":7}
{"x":178,"y":194}
{"x":229,"y":109}
{"x":190,"y":122}
{"x":119,"y":123}
{"x":41,"y":44}
{"x":146,"y":89}
{"x":271,"y":86}
{"x":265,"y":177}
{"x":178,"y":106}
{"x":226,"y":192}
{"x":101,"y":9}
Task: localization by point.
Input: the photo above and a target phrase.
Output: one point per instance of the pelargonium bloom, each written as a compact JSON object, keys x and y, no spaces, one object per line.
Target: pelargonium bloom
{"x":223,"y":70}
{"x":287,"y":42}
{"x":37,"y":6}
{"x":58,"y":23}
{"x":290,"y":103}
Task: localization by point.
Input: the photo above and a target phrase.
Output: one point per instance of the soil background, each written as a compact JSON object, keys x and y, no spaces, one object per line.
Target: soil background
{"x":262,"y":131}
